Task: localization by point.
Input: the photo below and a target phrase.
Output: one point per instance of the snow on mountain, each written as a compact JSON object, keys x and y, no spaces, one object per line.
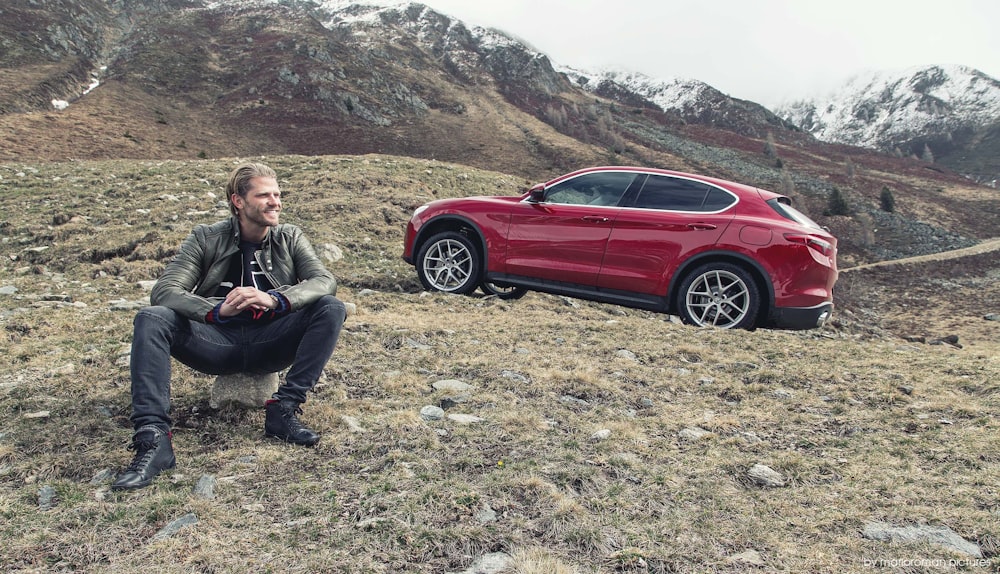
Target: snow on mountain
{"x":668,"y":94}
{"x":883,"y":110}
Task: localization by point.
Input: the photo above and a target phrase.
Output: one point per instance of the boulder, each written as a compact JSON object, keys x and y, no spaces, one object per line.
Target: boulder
{"x":243,"y":390}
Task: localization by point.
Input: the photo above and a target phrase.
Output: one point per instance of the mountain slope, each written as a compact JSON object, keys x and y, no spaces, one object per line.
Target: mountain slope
{"x":185,"y":79}
{"x":950,"y":115}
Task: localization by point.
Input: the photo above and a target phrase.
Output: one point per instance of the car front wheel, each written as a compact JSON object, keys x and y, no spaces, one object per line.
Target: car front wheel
{"x":449,"y":262}
{"x":720,"y":295}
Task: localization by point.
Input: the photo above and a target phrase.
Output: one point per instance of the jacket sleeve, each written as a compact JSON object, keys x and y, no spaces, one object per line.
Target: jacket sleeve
{"x":175,"y":287}
{"x":315,"y":280}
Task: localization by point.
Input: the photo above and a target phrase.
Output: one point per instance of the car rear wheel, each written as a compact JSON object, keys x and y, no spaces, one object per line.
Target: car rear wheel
{"x":503,"y":291}
{"x":720,"y":295}
{"x":449,"y":262}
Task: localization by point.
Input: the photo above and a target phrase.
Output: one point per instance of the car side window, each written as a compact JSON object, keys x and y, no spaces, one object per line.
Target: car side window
{"x":679,"y":194}
{"x":601,"y":188}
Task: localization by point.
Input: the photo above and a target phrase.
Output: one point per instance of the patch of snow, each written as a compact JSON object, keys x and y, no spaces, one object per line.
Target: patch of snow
{"x":60,"y":104}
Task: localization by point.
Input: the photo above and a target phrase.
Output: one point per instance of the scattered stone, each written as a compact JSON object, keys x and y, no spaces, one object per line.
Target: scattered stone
{"x":645,"y":402}
{"x":352,"y":424}
{"x":751,"y":557}
{"x":414,"y":344}
{"x":102,"y":476}
{"x":125,"y":305}
{"x":569,"y":302}
{"x":905,"y":389}
{"x":515,"y":376}
{"x":46,"y":498}
{"x":366,"y":292}
{"x":146,"y":285}
{"x":57,"y":298}
{"x":766,"y":476}
{"x":493,"y":563}
{"x":67,"y":369}
{"x":992,"y":317}
{"x":175,"y":526}
{"x":432,"y":413}
{"x":603,"y":434}
{"x":571,"y":400}
{"x":693,"y":434}
{"x":464,"y":419}
{"x":8,"y":290}
{"x":937,"y":535}
{"x":331,"y":252}
{"x":451,"y":386}
{"x":946,"y":340}
{"x":626,"y":354}
{"x":486,"y":515}
{"x":243,"y":390}
{"x":37,"y":415}
{"x":205,"y":488}
{"x":351,"y":308}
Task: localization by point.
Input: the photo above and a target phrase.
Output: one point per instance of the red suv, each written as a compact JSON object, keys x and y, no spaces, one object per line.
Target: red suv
{"x":712,"y":251}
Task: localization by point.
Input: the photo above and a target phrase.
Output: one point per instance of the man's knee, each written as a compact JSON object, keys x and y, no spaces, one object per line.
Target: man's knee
{"x":153,"y":318}
{"x":329,"y":308}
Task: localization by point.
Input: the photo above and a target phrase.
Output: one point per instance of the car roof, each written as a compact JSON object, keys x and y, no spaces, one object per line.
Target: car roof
{"x":723,"y":183}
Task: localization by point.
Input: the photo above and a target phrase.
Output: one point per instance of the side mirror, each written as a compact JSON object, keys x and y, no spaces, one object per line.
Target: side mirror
{"x":536,"y":194}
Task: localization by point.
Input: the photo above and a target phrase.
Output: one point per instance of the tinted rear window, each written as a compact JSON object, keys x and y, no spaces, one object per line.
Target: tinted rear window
{"x":678,"y":194}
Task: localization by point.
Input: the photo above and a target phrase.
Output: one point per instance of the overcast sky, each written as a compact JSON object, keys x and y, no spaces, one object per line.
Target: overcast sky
{"x":767,"y":51}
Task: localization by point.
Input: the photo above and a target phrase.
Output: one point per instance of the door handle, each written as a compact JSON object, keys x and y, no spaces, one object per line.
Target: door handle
{"x":595,"y":219}
{"x":701,"y":226}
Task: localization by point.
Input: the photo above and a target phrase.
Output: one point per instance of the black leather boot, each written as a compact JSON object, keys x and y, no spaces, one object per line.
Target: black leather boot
{"x":281,"y":422}
{"x":153,"y":454}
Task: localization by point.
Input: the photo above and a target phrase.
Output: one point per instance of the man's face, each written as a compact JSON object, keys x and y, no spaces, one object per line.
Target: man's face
{"x":262,"y":204}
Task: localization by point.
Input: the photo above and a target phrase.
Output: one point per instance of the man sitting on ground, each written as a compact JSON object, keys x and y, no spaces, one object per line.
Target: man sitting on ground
{"x":242,"y":295}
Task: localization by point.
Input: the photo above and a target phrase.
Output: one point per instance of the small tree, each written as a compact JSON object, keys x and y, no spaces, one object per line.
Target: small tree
{"x":887,"y":201}
{"x":928,"y":155}
{"x":837,"y":205}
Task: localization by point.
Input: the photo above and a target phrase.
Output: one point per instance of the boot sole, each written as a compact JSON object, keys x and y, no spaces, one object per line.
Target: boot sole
{"x":286,"y":439}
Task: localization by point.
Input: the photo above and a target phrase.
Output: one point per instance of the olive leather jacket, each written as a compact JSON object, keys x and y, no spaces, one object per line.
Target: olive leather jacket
{"x":189,"y":282}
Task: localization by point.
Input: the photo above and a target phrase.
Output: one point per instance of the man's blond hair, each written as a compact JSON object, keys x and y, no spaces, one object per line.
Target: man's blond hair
{"x":239,"y":181}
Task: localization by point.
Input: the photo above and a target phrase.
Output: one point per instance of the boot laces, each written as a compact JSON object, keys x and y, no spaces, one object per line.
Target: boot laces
{"x":144,"y":451}
{"x":289,"y":414}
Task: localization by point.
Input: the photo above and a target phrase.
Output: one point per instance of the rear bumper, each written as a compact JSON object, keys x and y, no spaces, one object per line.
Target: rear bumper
{"x":799,"y":318}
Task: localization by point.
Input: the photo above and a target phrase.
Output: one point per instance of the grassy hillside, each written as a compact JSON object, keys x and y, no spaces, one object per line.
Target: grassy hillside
{"x":606,"y":439}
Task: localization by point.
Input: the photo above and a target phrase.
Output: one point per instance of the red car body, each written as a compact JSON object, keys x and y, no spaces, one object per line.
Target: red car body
{"x":713,"y":251}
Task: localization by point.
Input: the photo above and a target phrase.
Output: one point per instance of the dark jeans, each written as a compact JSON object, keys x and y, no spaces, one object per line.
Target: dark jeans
{"x":303,"y":340}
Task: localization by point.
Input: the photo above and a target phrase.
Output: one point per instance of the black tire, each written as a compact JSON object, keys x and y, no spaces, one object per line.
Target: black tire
{"x":502,"y":291}
{"x":449,"y":262}
{"x":722,"y":295}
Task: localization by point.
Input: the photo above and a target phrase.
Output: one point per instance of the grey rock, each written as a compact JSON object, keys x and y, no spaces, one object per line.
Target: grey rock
{"x":205,"y":488}
{"x":493,"y":563}
{"x":451,"y":386}
{"x":432,"y":413}
{"x":486,"y":515}
{"x":243,"y":390}
{"x":603,"y":434}
{"x":937,"y":535}
{"x":765,"y":476}
{"x":989,"y":317}
{"x":46,"y":498}
{"x":626,"y":354}
{"x":693,"y":434}
{"x":464,"y":419}
{"x":515,"y":376}
{"x":571,"y":400}
{"x":8,"y":290}
{"x":175,"y":526}
{"x":102,"y":476}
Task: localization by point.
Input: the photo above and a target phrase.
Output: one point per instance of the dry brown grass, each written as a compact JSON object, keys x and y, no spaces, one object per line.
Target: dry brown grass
{"x":861,"y":424}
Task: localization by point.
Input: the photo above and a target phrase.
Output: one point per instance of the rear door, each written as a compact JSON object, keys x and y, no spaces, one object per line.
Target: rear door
{"x":669,"y":218}
{"x":563,"y":238}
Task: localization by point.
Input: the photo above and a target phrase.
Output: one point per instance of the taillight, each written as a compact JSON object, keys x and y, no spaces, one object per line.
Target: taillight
{"x":816,"y":243}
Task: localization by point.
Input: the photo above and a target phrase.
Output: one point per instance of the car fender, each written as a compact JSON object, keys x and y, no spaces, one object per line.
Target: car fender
{"x":454,"y":221}
{"x":678,"y":274}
